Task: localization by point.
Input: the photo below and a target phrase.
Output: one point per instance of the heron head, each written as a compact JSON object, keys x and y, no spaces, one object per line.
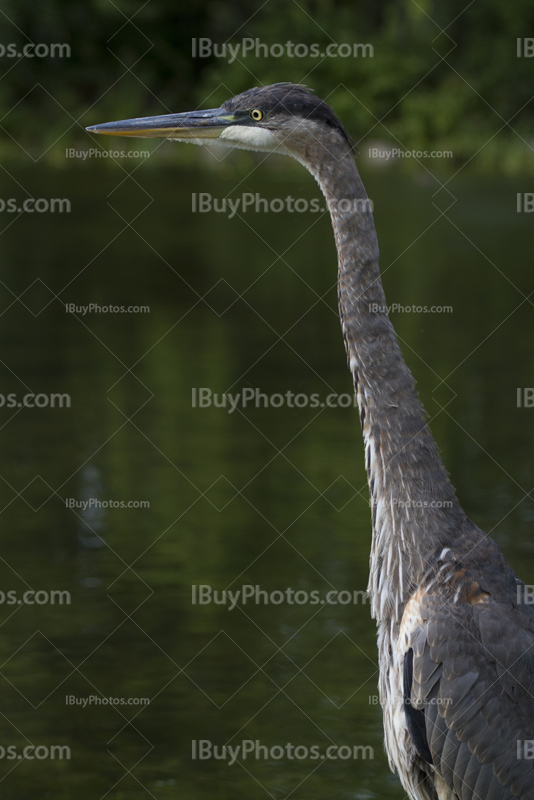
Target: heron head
{"x":283,"y":118}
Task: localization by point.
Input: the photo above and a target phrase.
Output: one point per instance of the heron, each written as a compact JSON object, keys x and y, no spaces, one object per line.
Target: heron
{"x":455,"y":628}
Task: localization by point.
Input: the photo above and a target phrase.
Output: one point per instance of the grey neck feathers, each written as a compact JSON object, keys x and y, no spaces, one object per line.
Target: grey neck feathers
{"x":415,"y":513}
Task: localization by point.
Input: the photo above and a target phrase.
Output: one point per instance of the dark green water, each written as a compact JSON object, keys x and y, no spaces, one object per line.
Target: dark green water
{"x":273,"y":497}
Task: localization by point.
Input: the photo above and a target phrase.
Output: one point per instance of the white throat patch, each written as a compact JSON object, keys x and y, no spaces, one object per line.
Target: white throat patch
{"x":247,"y":138}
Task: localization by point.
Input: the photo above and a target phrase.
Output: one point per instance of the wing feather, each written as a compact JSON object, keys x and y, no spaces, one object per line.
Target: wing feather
{"x":472,"y":676}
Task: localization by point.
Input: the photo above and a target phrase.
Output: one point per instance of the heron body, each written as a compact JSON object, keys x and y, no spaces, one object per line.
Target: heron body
{"x":456,"y":644}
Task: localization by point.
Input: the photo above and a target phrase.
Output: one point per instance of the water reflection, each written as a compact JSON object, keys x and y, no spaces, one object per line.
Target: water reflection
{"x":267,"y":497}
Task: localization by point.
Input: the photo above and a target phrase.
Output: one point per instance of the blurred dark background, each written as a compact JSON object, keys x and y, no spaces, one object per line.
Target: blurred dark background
{"x":277,"y":496}
{"x":443,"y":74}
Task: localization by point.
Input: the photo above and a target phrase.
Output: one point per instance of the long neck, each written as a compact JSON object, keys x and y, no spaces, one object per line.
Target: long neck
{"x":415,"y":512}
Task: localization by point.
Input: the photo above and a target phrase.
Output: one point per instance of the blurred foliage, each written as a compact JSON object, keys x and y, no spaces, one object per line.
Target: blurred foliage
{"x":443,"y":76}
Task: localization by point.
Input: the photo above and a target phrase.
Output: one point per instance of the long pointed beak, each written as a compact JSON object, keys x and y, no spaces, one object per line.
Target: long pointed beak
{"x":190,"y":126}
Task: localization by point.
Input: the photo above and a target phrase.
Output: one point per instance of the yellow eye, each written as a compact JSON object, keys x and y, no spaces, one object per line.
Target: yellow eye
{"x":256,"y":114}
